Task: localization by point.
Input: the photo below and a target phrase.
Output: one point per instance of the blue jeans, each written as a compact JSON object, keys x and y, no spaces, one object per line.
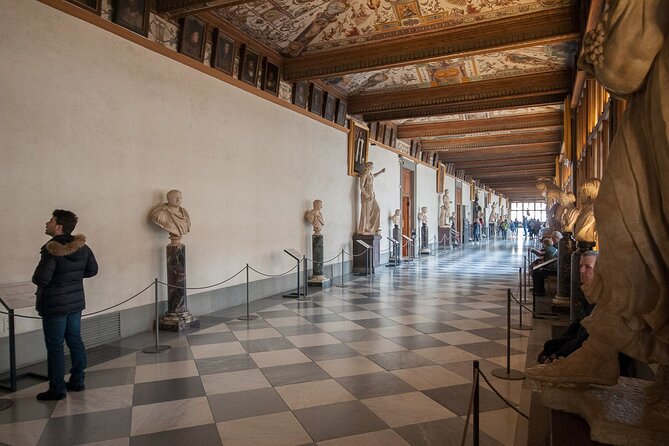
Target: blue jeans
{"x":65,"y":327}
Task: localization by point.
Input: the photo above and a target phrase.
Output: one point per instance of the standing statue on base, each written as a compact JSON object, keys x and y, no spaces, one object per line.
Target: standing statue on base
{"x":370,"y":214}
{"x":445,"y":210}
{"x":629,"y":53}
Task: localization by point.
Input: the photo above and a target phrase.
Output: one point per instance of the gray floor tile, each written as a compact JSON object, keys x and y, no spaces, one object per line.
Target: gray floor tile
{"x":211,"y":338}
{"x":167,"y":390}
{"x":223,"y":364}
{"x":110,"y":377}
{"x":456,"y":398}
{"x":266,"y":345}
{"x":299,"y":330}
{"x":26,"y":409}
{"x":417,"y":342}
{"x":351,"y":418}
{"x":206,"y":435}
{"x":294,"y":373}
{"x":400,"y":360}
{"x":173,"y":354}
{"x":446,"y":432}
{"x":376,"y":322}
{"x":487,"y":349}
{"x":372,"y":385}
{"x":321,"y":318}
{"x":231,"y":406}
{"x":356,"y":335}
{"x":323,"y":352}
{"x":432,"y":327}
{"x":87,"y":428}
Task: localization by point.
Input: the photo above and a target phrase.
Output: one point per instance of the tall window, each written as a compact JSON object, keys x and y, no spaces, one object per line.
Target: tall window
{"x":536,"y":210}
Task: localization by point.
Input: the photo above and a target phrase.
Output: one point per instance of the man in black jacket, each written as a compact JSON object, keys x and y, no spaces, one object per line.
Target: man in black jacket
{"x":65,"y":261}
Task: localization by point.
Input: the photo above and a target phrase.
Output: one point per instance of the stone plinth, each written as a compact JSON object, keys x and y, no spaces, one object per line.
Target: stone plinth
{"x":424,"y":240}
{"x":177,"y":317}
{"x":445,"y":235}
{"x":396,"y":250}
{"x":360,"y":259}
{"x":318,"y":278}
{"x":617,"y":415}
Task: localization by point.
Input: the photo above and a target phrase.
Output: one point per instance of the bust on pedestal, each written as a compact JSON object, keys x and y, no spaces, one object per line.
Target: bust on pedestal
{"x":175,"y":220}
{"x":315,"y":218}
{"x":396,"y":257}
{"x":424,"y":232}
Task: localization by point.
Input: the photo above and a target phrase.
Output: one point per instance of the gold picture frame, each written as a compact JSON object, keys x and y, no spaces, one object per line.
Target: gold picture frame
{"x":358,"y":147}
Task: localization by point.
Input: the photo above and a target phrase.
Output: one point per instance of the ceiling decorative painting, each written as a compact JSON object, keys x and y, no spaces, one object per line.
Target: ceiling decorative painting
{"x":294,"y":27}
{"x":482,"y":115}
{"x":495,"y":133}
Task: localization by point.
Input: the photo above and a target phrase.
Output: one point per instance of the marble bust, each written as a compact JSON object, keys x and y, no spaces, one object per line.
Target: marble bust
{"x":315,"y":218}
{"x":172,"y":217}
{"x":422,"y":215}
{"x":584,"y":226}
{"x":395,"y":218}
{"x":445,"y":211}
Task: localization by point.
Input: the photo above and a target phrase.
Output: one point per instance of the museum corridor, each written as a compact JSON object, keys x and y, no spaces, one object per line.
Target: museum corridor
{"x":385,"y":360}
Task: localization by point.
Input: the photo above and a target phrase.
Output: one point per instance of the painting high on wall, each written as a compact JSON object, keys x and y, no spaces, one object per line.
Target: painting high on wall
{"x":133,"y":15}
{"x":358,"y":147}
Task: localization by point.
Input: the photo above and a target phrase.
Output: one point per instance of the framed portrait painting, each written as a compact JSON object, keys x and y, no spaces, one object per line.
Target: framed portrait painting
{"x":300,"y":93}
{"x":341,"y":112}
{"x":89,"y":5}
{"x":358,"y":147}
{"x":133,"y":15}
{"x":330,"y":107}
{"x":270,"y":77}
{"x":223,"y":54}
{"x":316,"y":100}
{"x":248,"y":68}
{"x":193,"y":37}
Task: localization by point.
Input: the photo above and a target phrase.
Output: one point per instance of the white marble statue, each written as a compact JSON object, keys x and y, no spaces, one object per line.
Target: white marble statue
{"x":370,"y":214}
{"x":395,"y":218}
{"x":628,"y":52}
{"x":315,"y":217}
{"x":422,"y":215}
{"x":567,"y":212}
{"x":445,"y":210}
{"x":172,"y":217}
{"x":492,"y":218}
{"x":585,"y":229}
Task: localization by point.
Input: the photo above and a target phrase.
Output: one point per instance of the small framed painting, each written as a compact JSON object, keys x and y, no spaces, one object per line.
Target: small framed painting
{"x":193,"y":37}
{"x":133,"y":15}
{"x":248,"y":70}
{"x":300,"y":93}
{"x":358,"y":147}
{"x":270,"y":77}
{"x":341,"y":112}
{"x":316,"y":100}
{"x":223,"y":54}
{"x":330,"y":107}
{"x":89,"y":5}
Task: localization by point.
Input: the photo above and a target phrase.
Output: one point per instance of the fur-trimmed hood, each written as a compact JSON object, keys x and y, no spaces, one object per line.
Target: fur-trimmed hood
{"x":58,"y":249}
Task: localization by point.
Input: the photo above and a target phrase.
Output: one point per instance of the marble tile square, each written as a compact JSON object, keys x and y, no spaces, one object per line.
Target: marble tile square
{"x":279,"y":429}
{"x":124,"y":361}
{"x":95,"y":400}
{"x":170,"y":415}
{"x":287,"y":321}
{"x":475,"y":314}
{"x":458,"y":337}
{"x":339,"y":326}
{"x":267,"y":345}
{"x":429,"y":377}
{"x":312,"y":340}
{"x":23,"y":432}
{"x":87,"y":428}
{"x":223,"y":364}
{"x":167,"y":390}
{"x":468,"y":324}
{"x":251,"y":403}
{"x":234,"y":381}
{"x":407,"y":408}
{"x":312,"y":311}
{"x":410,"y":319}
{"x":294,"y":373}
{"x":386,"y":437}
{"x":274,"y":314}
{"x":173,"y":354}
{"x":417,"y":342}
{"x":493,"y":334}
{"x":218,"y":328}
{"x":279,"y":357}
{"x":201,"y":435}
{"x":247,"y":325}
{"x":299,"y":330}
{"x":377,"y":306}
{"x":322,"y":318}
{"x":375,"y":346}
{"x":488,"y":349}
{"x":482,"y":305}
{"x":456,"y":398}
{"x":374,"y":384}
{"x":334,"y":351}
{"x":27,"y":408}
{"x":257,"y":333}
{"x":432,"y":327}
{"x":315,"y":393}
{"x":394,"y":332}
{"x":444,"y":355}
{"x":378,"y":322}
{"x":356,"y":335}
{"x":211,"y":338}
{"x":158,"y":372}
{"x":217,"y":350}
{"x":352,"y":418}
{"x":446,"y":432}
{"x":356,"y":315}
{"x":357,"y":365}
{"x":400,"y":360}
{"x":110,"y":377}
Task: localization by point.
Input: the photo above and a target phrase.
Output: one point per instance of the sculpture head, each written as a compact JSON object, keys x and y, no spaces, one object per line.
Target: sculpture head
{"x":174,"y":197}
{"x":397,"y":212}
{"x":588,"y":191}
{"x":423,"y":210}
{"x":587,"y":266}
{"x":318,"y":205}
{"x":556,"y":236}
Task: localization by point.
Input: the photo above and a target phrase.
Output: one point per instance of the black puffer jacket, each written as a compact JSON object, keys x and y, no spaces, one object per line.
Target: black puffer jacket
{"x":65,"y":262}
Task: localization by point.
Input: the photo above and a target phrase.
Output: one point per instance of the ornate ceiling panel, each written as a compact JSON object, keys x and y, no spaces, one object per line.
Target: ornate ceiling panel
{"x":482,"y":115}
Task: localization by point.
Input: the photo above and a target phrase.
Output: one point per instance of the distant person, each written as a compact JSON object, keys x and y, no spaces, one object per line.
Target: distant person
{"x":65,"y":261}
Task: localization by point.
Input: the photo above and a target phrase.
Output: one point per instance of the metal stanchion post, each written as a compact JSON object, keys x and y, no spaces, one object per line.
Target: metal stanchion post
{"x":248,"y":317}
{"x":475,"y":382}
{"x":156,"y":348}
{"x":508,"y":373}
{"x":342,"y":268}
{"x":519,"y":325}
{"x":306,"y":279}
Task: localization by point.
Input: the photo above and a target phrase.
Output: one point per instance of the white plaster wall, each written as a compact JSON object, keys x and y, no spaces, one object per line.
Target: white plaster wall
{"x":466,"y":200}
{"x":386,"y":189}
{"x":93,"y":123}
{"x":426,"y":195}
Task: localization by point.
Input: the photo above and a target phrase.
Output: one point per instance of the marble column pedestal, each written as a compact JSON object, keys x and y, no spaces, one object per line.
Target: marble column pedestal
{"x":177,"y":317}
{"x":318,"y":279}
{"x":445,"y":235}
{"x":424,"y":240}
{"x":396,"y":256}
{"x":566,"y":247}
{"x":577,"y":297}
{"x":360,"y":259}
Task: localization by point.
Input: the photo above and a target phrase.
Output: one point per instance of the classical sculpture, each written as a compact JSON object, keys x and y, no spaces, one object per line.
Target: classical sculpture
{"x":315,"y":218}
{"x":422,"y":215}
{"x":395,"y":218}
{"x":629,"y":53}
{"x":493,"y":213}
{"x":584,"y":225}
{"x":551,"y":192}
{"x":445,"y":210}
{"x":172,"y":217}
{"x":370,"y":214}
{"x":567,"y":212}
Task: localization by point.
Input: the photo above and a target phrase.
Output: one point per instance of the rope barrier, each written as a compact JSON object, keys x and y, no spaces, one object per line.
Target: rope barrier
{"x":356,"y":255}
{"x":534,"y":313}
{"x":508,"y":403}
{"x":272,"y":275}
{"x":325,"y":261}
{"x":203,"y":287}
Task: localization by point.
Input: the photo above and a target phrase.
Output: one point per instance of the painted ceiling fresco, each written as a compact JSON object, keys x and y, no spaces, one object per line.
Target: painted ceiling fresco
{"x":454,"y":138}
{"x":496,"y":65}
{"x":294,"y":27}
{"x":481,"y":115}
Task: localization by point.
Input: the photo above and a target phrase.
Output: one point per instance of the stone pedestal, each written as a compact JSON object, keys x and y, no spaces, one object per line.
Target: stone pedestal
{"x":566,"y":247}
{"x":617,"y":415}
{"x":360,"y":259}
{"x":445,"y":235}
{"x":577,"y":298}
{"x":466,"y":231}
{"x":424,"y":240}
{"x":177,"y":317}
{"x":396,"y":252}
{"x":318,"y":278}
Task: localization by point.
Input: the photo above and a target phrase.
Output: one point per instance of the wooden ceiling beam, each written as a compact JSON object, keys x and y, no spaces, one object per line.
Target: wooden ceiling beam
{"x":496,"y":140}
{"x":502,"y":163}
{"x":498,"y":171}
{"x":177,"y":8}
{"x":515,"y":122}
{"x":537,"y":28}
{"x":497,"y":152}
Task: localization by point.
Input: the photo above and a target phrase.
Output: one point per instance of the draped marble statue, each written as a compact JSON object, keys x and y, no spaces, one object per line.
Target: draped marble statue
{"x":172,"y":217}
{"x":445,"y":210}
{"x":315,"y":217}
{"x":370,"y":214}
{"x":629,"y":53}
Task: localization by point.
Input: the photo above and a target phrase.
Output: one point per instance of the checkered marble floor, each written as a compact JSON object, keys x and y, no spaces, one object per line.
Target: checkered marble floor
{"x":385,"y":360}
